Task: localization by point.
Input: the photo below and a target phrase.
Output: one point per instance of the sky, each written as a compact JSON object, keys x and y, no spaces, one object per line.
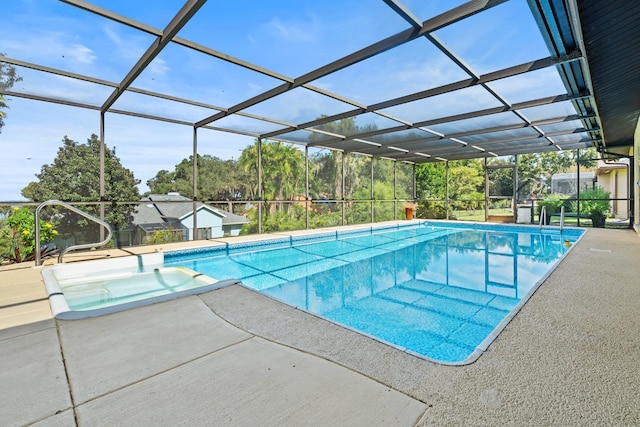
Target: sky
{"x":289,"y":38}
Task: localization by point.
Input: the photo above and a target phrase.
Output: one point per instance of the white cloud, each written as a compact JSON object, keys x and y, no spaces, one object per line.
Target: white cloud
{"x":61,"y":87}
{"x":294,"y":31}
{"x":297,"y":105}
{"x":126,"y":45}
{"x":426,"y":73}
{"x":158,"y":67}
{"x":81,"y":53}
{"x":255,"y":88}
{"x":41,"y":46}
{"x":112,"y":34}
{"x":413,"y":67}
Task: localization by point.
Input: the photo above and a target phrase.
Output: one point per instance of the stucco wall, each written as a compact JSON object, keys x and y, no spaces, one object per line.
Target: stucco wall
{"x":636,"y":178}
{"x":615,"y":181}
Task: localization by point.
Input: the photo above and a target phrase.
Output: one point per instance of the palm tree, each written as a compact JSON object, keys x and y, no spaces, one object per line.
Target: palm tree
{"x":249,"y":163}
{"x":282,"y":170}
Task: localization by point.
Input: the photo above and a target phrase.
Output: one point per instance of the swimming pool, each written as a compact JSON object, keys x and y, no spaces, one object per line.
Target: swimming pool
{"x":440,"y":290}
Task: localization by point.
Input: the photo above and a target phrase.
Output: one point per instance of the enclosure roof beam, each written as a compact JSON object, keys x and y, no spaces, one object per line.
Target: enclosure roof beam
{"x":93,"y":107}
{"x":473,"y":114}
{"x":451,"y":87}
{"x":454,"y":15}
{"x":411,"y":19}
{"x":179,"y":20}
{"x":146,"y":92}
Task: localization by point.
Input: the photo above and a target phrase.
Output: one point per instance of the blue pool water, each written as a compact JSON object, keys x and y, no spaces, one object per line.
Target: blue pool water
{"x":439,"y":290}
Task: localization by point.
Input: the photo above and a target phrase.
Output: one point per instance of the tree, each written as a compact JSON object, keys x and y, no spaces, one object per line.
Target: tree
{"x":404,"y":181}
{"x":588,"y":157}
{"x":535,"y":170}
{"x":431,"y":180}
{"x":74,"y":176}
{"x":8,"y":78}
{"x":466,"y":183}
{"x":217,"y":179}
{"x":430,"y":185}
{"x":327,"y":167}
{"x":283,"y":170}
{"x":325,"y":173}
{"x":501,"y":176}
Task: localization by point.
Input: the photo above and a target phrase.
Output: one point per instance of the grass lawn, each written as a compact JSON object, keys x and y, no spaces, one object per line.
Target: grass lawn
{"x":478,"y":214}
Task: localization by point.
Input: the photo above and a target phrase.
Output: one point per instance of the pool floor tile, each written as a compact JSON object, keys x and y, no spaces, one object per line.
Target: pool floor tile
{"x":331,"y":248}
{"x":422,"y":285}
{"x":503,"y":303}
{"x":308,"y":269}
{"x":463,"y":294}
{"x":449,"y":306}
{"x":361,"y":254}
{"x":401,"y":295}
{"x":490,"y":316}
{"x":276,"y":259}
{"x":264,"y":281}
{"x":470,"y":334}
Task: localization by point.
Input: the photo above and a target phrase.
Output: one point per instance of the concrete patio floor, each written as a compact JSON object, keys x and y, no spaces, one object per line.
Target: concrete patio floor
{"x":571,"y":356}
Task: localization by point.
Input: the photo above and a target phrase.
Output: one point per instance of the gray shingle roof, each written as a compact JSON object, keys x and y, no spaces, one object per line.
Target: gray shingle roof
{"x":173,"y":207}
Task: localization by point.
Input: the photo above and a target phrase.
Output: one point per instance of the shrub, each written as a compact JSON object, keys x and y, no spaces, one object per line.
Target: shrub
{"x":595,"y":203}
{"x":431,"y":210}
{"x":552,"y":202}
{"x":164,"y":236}
{"x":18,"y":236}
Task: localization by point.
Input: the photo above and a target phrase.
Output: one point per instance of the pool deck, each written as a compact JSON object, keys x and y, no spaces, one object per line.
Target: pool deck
{"x":571,"y":356}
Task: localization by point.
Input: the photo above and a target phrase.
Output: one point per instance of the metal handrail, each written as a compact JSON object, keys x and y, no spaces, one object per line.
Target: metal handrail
{"x":72,"y":247}
{"x":543,"y":215}
{"x":561,"y":218}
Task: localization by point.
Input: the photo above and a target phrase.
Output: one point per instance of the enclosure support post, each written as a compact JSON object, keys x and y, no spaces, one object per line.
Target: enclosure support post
{"x":195,"y":183}
{"x":414,"y":190}
{"x":259,"y":144}
{"x":306,"y":186}
{"x":486,"y":191}
{"x":102,"y":173}
{"x":514,"y":202}
{"x":446,"y":189}
{"x":344,"y":201}
{"x":578,"y":186}
{"x":395,"y":194}
{"x":371,"y":192}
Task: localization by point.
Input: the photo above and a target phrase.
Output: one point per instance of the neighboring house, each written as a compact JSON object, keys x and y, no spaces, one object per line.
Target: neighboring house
{"x":566,"y":184}
{"x":174,"y":212}
{"x":610,"y":176}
